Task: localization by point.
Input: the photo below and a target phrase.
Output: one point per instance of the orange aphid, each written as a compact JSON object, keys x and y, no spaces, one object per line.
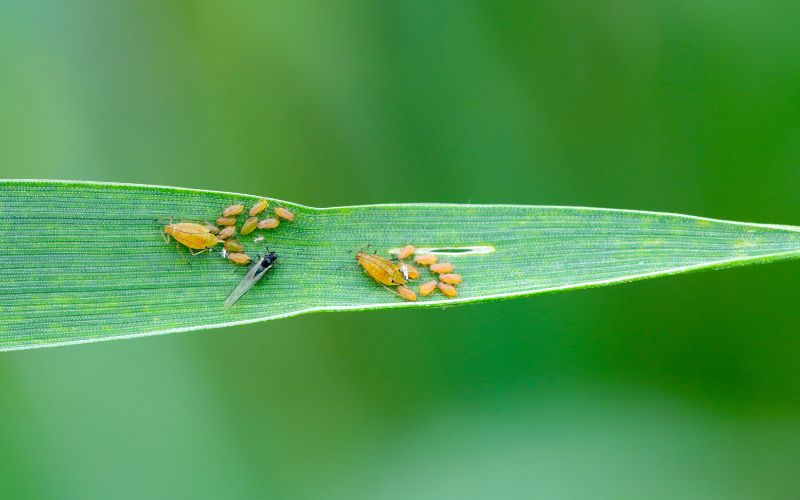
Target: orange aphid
{"x":447,"y":289}
{"x":380,"y":269}
{"x":233,"y":210}
{"x":249,"y":226}
{"x":427,"y":288}
{"x":269,"y":223}
{"x":442,"y":267}
{"x":406,"y":252}
{"x":406,"y":293}
{"x":426,"y":259}
{"x":284,"y":214}
{"x":259,"y":207}
{"x":227,"y":232}
{"x":226,"y":221}
{"x":192,"y":235}
{"x":451,"y":279}
{"x":233,"y":246}
{"x":409,"y":271}
{"x":239,"y":258}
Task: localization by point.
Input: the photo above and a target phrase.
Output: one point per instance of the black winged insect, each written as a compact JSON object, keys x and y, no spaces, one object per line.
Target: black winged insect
{"x":255,"y":273}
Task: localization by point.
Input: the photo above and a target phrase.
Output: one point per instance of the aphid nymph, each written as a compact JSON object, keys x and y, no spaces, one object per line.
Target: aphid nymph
{"x":269,"y":223}
{"x":451,"y":279}
{"x":249,"y":226}
{"x":426,"y":259}
{"x":233,"y":246}
{"x":258,"y":207}
{"x":233,"y":210}
{"x":441,"y":267}
{"x":409,"y":272}
{"x":239,"y":258}
{"x":406,"y":252}
{"x":227,"y":232}
{"x":447,"y":289}
{"x":284,"y":214}
{"x":427,"y":288}
{"x":406,"y":293}
{"x":226,"y":221}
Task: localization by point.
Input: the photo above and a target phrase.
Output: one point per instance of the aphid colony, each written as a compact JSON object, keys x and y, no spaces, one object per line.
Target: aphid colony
{"x":390,"y":273}
{"x":199,"y":238}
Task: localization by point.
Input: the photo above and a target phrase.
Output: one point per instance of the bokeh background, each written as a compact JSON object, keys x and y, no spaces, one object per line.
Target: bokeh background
{"x":683,"y":387}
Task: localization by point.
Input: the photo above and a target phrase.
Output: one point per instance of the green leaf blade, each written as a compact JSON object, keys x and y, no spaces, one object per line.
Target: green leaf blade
{"x":86,"y":261}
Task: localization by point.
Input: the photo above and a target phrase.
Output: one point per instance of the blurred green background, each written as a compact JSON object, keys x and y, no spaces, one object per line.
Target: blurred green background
{"x":682,"y":387}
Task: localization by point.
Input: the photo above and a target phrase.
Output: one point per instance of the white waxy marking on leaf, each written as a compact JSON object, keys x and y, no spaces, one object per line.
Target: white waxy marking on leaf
{"x":450,"y":250}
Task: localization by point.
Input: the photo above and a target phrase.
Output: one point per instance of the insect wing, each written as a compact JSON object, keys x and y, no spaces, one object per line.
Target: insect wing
{"x":255,"y":273}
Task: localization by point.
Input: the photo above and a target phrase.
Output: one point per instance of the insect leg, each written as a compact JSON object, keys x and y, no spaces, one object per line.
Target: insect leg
{"x":393,"y":291}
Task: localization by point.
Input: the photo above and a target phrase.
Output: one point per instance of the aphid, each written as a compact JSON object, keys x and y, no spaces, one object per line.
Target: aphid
{"x":284,"y":214}
{"x":239,"y":258}
{"x":427,"y":288}
{"x":227,"y":232}
{"x":226,"y":221}
{"x":406,"y":252}
{"x":450,"y":279}
{"x":211,"y":228}
{"x":409,"y":271}
{"x":192,"y":235}
{"x":255,"y":273}
{"x":380,"y":269}
{"x":233,"y":246}
{"x":269,"y":223}
{"x":249,"y":226}
{"x":447,"y":289}
{"x":259,"y":207}
{"x":426,"y":259}
{"x":441,"y":267}
{"x":233,"y":210}
{"x":406,"y":293}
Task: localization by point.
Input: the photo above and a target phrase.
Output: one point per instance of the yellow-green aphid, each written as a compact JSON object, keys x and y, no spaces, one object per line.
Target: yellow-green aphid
{"x":249,"y":226}
{"x":233,"y":246}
